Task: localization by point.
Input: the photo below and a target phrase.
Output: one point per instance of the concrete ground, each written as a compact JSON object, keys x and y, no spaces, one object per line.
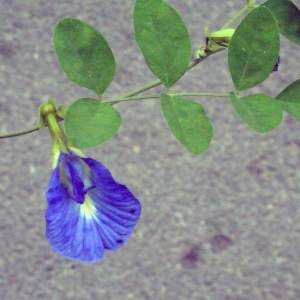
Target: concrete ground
{"x":222,"y":225}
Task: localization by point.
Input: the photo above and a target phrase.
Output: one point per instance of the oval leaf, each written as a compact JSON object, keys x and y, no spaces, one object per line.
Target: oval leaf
{"x":288,"y":17}
{"x":89,"y":122}
{"x":253,"y":49}
{"x":188,"y":122}
{"x":261,"y":112}
{"x":163,"y":39}
{"x":289,"y":98}
{"x":84,"y":54}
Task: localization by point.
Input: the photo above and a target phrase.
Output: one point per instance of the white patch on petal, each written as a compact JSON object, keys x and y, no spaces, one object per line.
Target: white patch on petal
{"x":87,"y":208}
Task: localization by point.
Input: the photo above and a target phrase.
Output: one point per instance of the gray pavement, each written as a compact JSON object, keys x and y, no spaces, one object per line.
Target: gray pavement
{"x":223,"y":225}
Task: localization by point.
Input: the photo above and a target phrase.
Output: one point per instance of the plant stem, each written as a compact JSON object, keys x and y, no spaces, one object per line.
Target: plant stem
{"x":155,"y":96}
{"x":117,"y":100}
{"x":200,"y":95}
{"x":19,"y":132}
{"x":159,"y":82}
{"x":250,"y":4}
{"x":142,"y":89}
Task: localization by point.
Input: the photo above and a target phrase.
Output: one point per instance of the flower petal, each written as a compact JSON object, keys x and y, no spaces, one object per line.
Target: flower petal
{"x":105,"y":220}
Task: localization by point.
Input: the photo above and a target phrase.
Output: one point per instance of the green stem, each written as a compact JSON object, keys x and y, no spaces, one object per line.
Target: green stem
{"x":155,"y":83}
{"x":142,"y":89}
{"x":155,"y":96}
{"x":250,"y":4}
{"x":19,"y":132}
{"x":59,"y":139}
{"x":200,"y":95}
{"x":117,"y":100}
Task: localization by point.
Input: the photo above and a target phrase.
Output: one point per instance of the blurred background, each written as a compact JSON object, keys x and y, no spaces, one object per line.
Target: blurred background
{"x":222,"y":225}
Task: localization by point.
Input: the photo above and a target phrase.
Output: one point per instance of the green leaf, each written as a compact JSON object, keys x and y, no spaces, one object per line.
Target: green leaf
{"x":188,"y":122}
{"x":253,"y":49}
{"x":289,"y":98}
{"x":288,"y":17}
{"x":89,"y":122}
{"x":84,"y":54}
{"x":261,"y":112}
{"x":163,"y":39}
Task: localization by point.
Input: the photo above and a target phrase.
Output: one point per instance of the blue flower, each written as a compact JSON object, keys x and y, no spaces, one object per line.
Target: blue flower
{"x":88,"y":211}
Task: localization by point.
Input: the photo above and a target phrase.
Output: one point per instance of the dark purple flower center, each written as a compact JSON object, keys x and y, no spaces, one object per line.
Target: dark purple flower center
{"x":74,"y":174}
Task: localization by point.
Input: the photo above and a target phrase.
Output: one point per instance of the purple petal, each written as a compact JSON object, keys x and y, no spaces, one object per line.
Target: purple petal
{"x":105,"y":220}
